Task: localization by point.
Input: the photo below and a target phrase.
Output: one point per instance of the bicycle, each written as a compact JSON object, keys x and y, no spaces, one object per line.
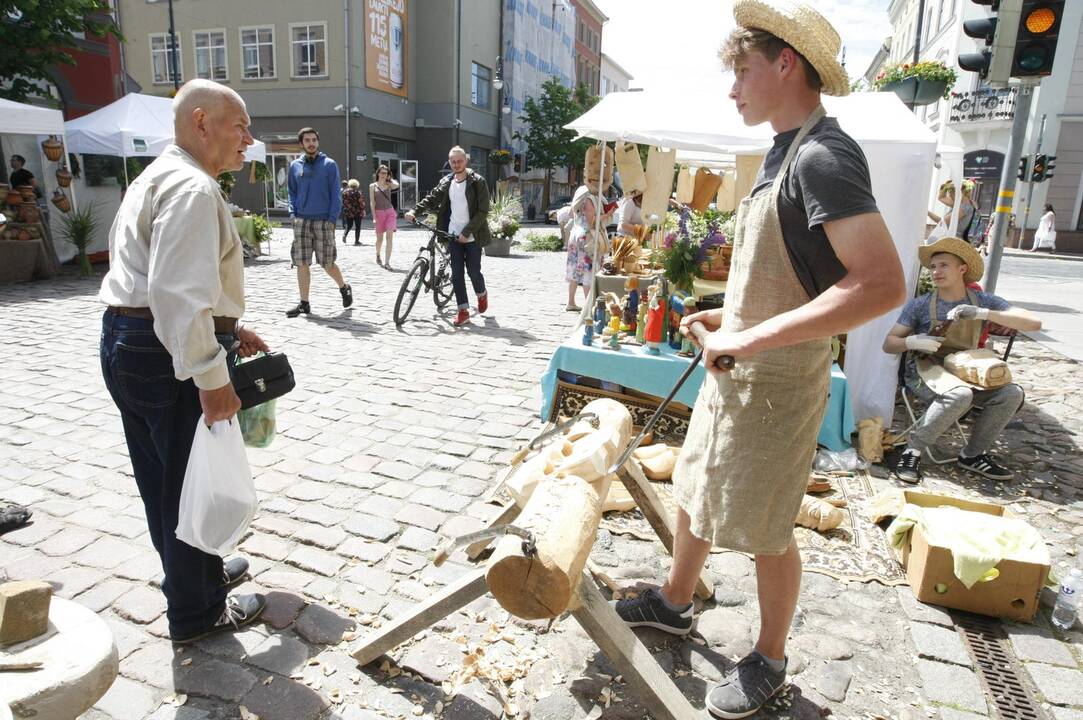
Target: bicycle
{"x":431,"y":270}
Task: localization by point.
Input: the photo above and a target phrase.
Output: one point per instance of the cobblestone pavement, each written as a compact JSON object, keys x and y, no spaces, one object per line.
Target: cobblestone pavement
{"x":391,"y":439}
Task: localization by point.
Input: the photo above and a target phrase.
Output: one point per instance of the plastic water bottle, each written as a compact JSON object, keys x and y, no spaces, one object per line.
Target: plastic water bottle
{"x":1071,"y":590}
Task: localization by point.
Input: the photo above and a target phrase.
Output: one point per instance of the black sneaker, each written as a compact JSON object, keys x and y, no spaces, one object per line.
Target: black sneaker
{"x":13,"y":516}
{"x":984,"y":465}
{"x":651,"y":610}
{"x":302,"y":307}
{"x":234,"y":571}
{"x":908,"y":467}
{"x":746,"y":688}
{"x":241,"y":611}
{"x":347,"y":295}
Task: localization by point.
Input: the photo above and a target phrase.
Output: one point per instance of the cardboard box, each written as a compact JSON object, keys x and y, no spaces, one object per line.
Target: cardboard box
{"x":1012,"y":594}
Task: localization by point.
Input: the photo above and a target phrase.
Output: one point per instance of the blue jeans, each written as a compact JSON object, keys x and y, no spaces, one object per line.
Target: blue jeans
{"x":159,"y":414}
{"x":465,"y":256}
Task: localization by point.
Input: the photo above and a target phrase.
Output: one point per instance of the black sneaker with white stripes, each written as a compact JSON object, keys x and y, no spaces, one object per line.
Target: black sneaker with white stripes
{"x":240,"y":612}
{"x":649,"y":609}
{"x":908,"y":467}
{"x":984,"y":465}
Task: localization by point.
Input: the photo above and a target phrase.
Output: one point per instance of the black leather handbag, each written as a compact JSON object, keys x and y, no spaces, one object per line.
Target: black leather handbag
{"x":262,"y":378}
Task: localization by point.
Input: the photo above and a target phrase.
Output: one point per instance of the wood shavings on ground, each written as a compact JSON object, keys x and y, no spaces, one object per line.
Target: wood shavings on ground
{"x":247,"y":714}
{"x":175,"y":700}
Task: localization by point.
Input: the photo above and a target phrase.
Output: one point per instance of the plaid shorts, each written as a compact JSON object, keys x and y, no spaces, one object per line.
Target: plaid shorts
{"x":313,"y":237}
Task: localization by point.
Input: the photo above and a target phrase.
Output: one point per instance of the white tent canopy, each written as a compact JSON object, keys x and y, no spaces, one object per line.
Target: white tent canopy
{"x":134,"y":126}
{"x":20,"y":119}
{"x":900,"y":152}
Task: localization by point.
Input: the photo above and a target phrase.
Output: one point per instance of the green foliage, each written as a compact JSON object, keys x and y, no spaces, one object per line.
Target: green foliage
{"x":263,"y":228}
{"x":500,"y":157}
{"x":549,"y":144}
{"x":505,"y":212}
{"x":35,"y":35}
{"x":226,"y":181}
{"x":263,"y":174}
{"x":932,"y":70}
{"x":539,"y":242}
{"x":78,"y":227}
{"x":679,"y":262}
{"x":925,"y":283}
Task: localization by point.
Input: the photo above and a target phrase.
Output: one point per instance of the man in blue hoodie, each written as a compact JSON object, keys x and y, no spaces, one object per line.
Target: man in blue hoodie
{"x":315,"y":204}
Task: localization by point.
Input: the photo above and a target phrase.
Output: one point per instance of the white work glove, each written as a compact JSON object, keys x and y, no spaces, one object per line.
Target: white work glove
{"x":923,"y":343}
{"x":968,"y":312}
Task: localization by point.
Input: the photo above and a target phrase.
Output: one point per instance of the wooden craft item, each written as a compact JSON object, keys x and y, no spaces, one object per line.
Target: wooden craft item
{"x":705,"y":188}
{"x":980,"y":367}
{"x":870,"y":434}
{"x":630,"y":167}
{"x":818,"y":514}
{"x":595,"y":169}
{"x":685,"y":186}
{"x":659,"y":183}
{"x":657,"y":461}
{"x":726,"y":198}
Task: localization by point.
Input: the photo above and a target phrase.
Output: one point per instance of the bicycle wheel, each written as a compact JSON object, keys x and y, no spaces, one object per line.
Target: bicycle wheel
{"x":442,"y":292}
{"x":411,"y":288}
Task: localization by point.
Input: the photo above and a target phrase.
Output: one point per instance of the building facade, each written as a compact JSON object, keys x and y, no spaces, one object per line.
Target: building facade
{"x":614,"y":77}
{"x":978,"y":118}
{"x":383,"y":81}
{"x":588,"y":45}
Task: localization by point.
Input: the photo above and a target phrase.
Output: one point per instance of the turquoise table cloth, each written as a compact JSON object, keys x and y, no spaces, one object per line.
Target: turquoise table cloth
{"x":633,"y":367}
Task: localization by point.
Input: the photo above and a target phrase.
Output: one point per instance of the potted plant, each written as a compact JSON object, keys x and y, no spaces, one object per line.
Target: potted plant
{"x":501,"y":159}
{"x":505,"y":213}
{"x":920,"y":83}
{"x":79,"y":228}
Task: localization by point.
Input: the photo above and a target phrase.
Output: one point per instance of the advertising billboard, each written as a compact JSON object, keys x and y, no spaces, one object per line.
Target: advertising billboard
{"x":386,"y":54}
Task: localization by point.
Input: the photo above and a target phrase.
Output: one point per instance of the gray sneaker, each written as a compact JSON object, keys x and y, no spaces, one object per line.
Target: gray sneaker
{"x":745,"y":688}
{"x":650,"y":610}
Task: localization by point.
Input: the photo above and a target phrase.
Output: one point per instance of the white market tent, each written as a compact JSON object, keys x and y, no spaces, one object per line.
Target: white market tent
{"x":900,"y":151}
{"x":20,"y":119}
{"x":136,"y":125}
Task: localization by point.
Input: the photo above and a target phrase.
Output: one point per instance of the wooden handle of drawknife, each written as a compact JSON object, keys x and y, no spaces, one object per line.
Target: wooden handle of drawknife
{"x":700,"y":332}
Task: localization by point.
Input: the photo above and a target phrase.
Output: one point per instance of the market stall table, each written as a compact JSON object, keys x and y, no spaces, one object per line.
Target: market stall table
{"x":634,"y":368}
{"x":246,"y":228}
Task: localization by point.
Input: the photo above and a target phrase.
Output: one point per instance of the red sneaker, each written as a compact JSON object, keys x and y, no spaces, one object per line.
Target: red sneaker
{"x":461,"y":318}
{"x":483,"y":303}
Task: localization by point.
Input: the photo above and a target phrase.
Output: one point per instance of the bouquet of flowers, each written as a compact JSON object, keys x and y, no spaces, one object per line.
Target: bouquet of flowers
{"x":683,"y":253}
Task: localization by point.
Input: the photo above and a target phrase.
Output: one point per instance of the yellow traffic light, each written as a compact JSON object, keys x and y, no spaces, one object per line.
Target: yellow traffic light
{"x":1040,"y":20}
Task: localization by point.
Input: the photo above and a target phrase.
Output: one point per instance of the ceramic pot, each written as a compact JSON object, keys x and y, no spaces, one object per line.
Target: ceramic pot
{"x":27,"y":191}
{"x":63,"y":177}
{"x":52,"y":148}
{"x":14,"y":198}
{"x":23,"y":235}
{"x":29,"y":214}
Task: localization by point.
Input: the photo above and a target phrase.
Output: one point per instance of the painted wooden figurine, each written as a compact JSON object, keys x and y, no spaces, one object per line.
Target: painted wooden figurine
{"x":688,"y":348}
{"x":631,"y":304}
{"x":641,"y":322}
{"x":588,"y":333}
{"x":599,"y":316}
{"x":676,"y":312}
{"x":656,"y":310}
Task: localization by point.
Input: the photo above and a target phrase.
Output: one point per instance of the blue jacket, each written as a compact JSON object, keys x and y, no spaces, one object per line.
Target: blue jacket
{"x":314,"y":188}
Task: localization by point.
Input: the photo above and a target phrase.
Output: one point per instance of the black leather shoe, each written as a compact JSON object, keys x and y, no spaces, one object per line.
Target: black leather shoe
{"x":241,"y":611}
{"x":234,"y":571}
{"x":301,"y":307}
{"x":347,"y":295}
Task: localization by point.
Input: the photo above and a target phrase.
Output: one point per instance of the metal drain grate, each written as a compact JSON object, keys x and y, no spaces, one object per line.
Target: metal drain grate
{"x":997,"y":667}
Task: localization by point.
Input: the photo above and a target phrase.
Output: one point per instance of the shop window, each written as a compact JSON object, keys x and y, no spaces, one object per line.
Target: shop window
{"x":308,"y":45}
{"x":210,"y":48}
{"x":480,"y":85}
{"x":162,"y":59}
{"x":258,"y":52}
{"x":479,"y":160}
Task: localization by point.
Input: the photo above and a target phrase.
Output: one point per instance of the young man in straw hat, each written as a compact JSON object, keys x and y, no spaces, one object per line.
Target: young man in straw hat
{"x":812,"y":259}
{"x":954,"y":263}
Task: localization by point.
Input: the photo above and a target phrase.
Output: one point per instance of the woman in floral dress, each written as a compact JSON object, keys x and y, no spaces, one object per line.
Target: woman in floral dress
{"x":579,"y":270}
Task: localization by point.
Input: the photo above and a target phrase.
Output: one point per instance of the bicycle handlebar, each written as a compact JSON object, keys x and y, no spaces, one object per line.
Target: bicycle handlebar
{"x":438,"y":233}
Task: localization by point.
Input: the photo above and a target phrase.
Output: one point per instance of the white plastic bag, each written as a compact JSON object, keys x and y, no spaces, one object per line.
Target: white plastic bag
{"x":218,"y":499}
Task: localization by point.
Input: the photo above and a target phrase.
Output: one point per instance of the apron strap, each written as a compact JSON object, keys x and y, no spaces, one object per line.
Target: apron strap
{"x":934,"y":297}
{"x":806,"y":128}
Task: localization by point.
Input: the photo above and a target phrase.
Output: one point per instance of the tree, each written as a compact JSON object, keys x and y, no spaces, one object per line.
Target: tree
{"x":549,"y":144}
{"x":35,"y":35}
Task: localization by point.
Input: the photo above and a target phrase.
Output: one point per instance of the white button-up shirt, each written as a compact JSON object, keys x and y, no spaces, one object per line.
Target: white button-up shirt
{"x":173,"y":248}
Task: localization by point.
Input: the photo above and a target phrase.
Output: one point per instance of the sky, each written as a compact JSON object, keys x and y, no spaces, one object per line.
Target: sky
{"x":675,"y":42}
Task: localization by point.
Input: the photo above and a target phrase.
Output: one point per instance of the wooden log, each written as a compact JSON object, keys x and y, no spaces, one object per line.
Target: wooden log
{"x":563,"y":514}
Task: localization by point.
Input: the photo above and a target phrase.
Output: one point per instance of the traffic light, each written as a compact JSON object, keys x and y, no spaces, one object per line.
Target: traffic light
{"x":1037,"y":170}
{"x":994,"y":62}
{"x":1036,"y":38}
{"x":1050,"y":165}
{"x":1024,"y":167}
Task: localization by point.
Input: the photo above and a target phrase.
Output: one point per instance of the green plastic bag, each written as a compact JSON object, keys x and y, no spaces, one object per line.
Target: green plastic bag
{"x":258,"y":424}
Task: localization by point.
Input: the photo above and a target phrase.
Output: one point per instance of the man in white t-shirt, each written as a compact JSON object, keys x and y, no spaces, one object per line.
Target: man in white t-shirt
{"x":460,"y":202}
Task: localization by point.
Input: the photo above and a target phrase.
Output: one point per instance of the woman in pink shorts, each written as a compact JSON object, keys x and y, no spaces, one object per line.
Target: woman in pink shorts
{"x":383,"y":211}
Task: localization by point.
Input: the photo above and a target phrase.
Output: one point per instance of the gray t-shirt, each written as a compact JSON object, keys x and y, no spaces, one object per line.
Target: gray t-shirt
{"x":828,"y":180}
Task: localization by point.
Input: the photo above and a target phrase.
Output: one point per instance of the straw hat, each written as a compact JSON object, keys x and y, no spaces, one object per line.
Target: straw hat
{"x":582,"y":193}
{"x":805,"y":30}
{"x":961,"y":249}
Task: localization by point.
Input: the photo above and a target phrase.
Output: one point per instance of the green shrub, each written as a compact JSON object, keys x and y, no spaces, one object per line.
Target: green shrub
{"x":263,"y":228}
{"x":538,"y":242}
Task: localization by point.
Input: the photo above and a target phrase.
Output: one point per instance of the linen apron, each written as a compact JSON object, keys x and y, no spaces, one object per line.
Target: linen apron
{"x":961,"y":335}
{"x":748,"y":453}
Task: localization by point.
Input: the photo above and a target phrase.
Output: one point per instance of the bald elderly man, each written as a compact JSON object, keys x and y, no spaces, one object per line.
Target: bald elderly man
{"x":175,"y":295}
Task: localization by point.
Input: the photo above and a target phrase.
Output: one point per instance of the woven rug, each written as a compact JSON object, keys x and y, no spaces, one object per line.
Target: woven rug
{"x":857,"y":550}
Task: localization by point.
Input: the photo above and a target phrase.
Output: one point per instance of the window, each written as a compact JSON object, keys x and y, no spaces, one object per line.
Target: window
{"x":480,"y":85}
{"x":309,"y":48}
{"x":479,"y":160}
{"x":211,"y":54}
{"x":258,"y":52}
{"x":162,"y":59}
